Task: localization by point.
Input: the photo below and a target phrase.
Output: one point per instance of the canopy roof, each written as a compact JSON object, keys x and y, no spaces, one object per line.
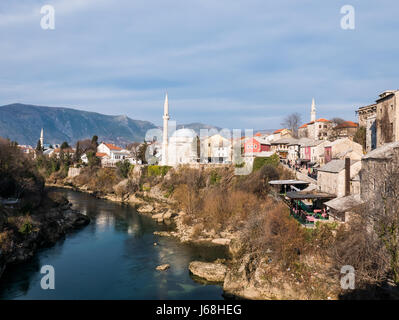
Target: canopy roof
{"x":281,"y":182}
{"x":309,"y":195}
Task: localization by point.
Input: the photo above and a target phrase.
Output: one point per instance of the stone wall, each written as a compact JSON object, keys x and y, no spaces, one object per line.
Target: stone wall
{"x":73,"y":172}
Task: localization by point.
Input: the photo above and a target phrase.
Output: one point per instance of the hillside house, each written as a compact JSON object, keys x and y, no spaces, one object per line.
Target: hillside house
{"x":346,"y":129}
{"x":341,"y":149}
{"x":313,"y":151}
{"x":256,"y":145}
{"x":335,"y":176}
{"x":377,"y":166}
{"x":381,"y":120}
{"x":218,"y":149}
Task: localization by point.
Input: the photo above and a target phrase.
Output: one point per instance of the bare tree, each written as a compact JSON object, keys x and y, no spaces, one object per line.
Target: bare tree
{"x":336,"y":121}
{"x":292,"y":122}
{"x":134,"y":149}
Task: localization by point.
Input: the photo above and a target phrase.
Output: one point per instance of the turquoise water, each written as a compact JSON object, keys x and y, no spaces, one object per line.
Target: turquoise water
{"x":114,"y":257}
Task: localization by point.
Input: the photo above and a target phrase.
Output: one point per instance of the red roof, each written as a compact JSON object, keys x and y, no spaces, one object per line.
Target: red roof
{"x":258,"y":134}
{"x":278,"y":131}
{"x":347,"y":124}
{"x":101,"y":154}
{"x":322,"y":120}
{"x":303,"y":126}
{"x":112,"y":146}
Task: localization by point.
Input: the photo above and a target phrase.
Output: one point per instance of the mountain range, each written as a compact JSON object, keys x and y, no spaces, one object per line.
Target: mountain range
{"x":23,"y":123}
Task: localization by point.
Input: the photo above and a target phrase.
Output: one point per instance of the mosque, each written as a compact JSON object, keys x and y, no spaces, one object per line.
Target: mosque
{"x":182,"y":145}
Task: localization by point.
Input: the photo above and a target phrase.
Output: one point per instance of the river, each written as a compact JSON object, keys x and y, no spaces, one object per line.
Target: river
{"x":114,"y":257}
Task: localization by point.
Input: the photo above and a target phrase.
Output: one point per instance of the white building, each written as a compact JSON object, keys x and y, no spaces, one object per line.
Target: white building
{"x":216,"y":149}
{"x":113,"y":154}
{"x":182,"y":147}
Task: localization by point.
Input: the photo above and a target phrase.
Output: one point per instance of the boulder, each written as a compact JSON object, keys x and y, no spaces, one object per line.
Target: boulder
{"x":212,"y":272}
{"x":157,"y":216}
{"x":163,"y":267}
{"x":222,"y":241}
{"x":146,"y":208}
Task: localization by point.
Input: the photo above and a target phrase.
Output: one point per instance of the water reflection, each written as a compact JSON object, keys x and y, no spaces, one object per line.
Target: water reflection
{"x":114,"y":257}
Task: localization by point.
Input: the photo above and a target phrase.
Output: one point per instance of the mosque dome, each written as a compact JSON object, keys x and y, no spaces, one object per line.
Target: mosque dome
{"x":184,"y":133}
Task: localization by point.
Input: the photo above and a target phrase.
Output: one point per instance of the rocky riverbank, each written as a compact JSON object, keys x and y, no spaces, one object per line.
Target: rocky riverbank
{"x":21,"y":235}
{"x":243,"y":275}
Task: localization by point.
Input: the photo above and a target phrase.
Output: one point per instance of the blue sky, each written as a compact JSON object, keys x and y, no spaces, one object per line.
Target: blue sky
{"x":234,"y":64}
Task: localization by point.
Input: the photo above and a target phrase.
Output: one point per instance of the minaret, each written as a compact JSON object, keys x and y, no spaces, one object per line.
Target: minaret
{"x":313,"y":112}
{"x":41,"y":139}
{"x":165,"y":131}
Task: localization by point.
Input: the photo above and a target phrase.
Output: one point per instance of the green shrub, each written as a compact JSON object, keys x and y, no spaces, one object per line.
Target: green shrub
{"x":259,"y":162}
{"x":26,"y":228}
{"x":123,"y":168}
{"x":240,"y":165}
{"x":214,"y":178}
{"x":157,"y":170}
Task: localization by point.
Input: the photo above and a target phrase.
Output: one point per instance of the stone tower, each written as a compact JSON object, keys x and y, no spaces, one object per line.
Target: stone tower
{"x":313,"y":111}
{"x":165,"y":132}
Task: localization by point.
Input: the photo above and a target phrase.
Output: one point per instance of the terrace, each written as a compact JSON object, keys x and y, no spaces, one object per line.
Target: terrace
{"x":308,"y":207}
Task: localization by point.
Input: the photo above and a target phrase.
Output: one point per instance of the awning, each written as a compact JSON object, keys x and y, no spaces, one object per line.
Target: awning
{"x":309,"y":195}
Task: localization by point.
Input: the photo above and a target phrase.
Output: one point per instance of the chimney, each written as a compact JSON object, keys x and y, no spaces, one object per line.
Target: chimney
{"x":347,"y":176}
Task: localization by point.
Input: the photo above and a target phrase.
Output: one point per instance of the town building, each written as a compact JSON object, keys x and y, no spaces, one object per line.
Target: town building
{"x":367,"y":116}
{"x":312,"y":151}
{"x":341,"y":149}
{"x":335,"y":176}
{"x":182,"y":147}
{"x":281,"y":146}
{"x":345,"y":129}
{"x":216,"y":149}
{"x":377,"y":166}
{"x":317,"y":129}
{"x":256,"y":145}
{"x":111,"y":154}
{"x":281,"y":133}
{"x":381,"y":120}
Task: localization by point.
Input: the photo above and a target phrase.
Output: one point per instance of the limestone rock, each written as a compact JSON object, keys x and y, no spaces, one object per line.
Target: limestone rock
{"x":163,"y":267}
{"x":221,"y":241}
{"x":212,"y":272}
{"x":146,"y":208}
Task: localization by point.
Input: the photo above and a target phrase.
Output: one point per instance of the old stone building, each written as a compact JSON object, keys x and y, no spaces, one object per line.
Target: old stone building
{"x":316,"y":129}
{"x":377,"y":166}
{"x":367,"y":119}
{"x":381,"y":120}
{"x":335,"y":178}
{"x":346,"y":129}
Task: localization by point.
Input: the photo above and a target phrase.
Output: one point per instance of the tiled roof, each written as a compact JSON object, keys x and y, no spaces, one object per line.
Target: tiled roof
{"x":303,"y":126}
{"x":112,"y":146}
{"x":383,"y":152}
{"x":101,"y":154}
{"x":278,"y":131}
{"x":335,"y":166}
{"x":346,"y":124}
{"x":322,"y":120}
{"x":285,"y":141}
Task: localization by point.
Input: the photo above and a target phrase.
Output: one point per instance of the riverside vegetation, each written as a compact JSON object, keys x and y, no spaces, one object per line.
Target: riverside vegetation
{"x":30,"y":215}
{"x":271,"y":255}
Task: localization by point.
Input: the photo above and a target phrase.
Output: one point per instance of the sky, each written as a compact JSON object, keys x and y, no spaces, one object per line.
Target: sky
{"x":232,"y":64}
